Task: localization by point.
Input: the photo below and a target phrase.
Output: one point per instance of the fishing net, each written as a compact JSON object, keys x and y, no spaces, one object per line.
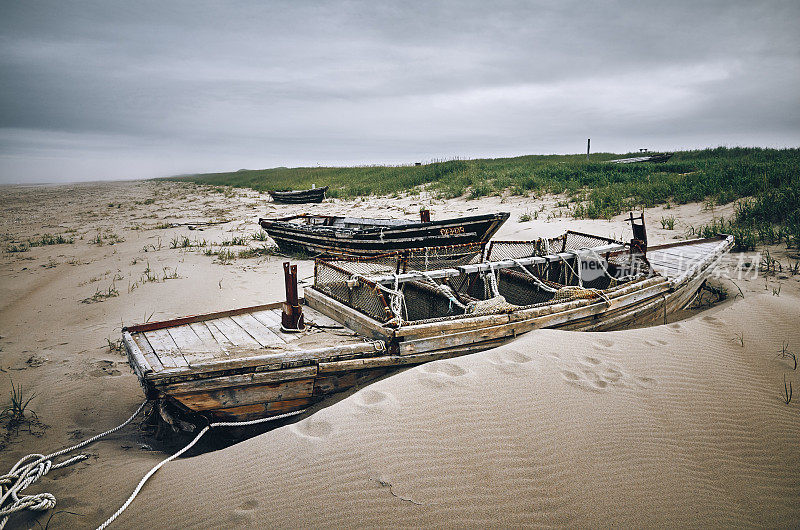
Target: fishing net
{"x":485,"y":289}
{"x":501,"y":250}
{"x":346,"y":279}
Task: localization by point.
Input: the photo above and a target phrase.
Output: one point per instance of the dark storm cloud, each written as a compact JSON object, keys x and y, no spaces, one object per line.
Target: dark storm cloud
{"x":121,"y":89}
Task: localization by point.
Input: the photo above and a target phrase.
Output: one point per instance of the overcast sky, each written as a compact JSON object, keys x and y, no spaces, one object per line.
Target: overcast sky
{"x":119,"y":89}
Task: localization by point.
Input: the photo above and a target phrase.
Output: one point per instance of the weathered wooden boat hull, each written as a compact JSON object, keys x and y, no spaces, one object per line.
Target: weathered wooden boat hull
{"x":374,"y":240}
{"x":315,"y":195}
{"x":259,"y":382}
{"x":654,"y":159}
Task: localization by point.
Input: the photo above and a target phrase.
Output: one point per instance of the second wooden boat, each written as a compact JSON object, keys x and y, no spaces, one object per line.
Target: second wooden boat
{"x":360,"y":236}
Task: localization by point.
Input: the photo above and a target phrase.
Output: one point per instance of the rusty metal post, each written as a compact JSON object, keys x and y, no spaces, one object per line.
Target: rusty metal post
{"x":639,"y":233}
{"x":292,"y":315}
{"x":425,"y":215}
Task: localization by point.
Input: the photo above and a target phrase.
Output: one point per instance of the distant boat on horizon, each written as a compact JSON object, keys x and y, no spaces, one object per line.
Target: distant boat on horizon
{"x":658,"y":158}
{"x":300,"y":196}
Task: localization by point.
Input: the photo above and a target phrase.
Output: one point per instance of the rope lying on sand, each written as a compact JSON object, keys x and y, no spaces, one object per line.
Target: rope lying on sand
{"x":189,"y":446}
{"x":24,"y":474}
{"x":31,"y":468}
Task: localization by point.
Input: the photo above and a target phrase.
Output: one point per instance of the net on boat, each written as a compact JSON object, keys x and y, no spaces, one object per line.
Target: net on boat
{"x":418,"y":259}
{"x":346,"y":279}
{"x":570,"y":240}
{"x":401,"y":288}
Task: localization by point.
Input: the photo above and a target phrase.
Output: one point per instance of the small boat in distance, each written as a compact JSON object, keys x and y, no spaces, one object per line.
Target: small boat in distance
{"x":299,"y":197}
{"x":360,"y":236}
{"x":657,"y":158}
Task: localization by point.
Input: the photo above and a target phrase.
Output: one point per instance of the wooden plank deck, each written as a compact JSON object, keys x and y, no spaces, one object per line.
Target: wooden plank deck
{"x":674,"y":260}
{"x":230,"y":337}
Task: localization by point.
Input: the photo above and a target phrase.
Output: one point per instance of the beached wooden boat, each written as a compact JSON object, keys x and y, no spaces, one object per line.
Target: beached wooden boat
{"x":365,"y":236}
{"x":657,"y":158}
{"x":366,"y":318}
{"x":300,"y":196}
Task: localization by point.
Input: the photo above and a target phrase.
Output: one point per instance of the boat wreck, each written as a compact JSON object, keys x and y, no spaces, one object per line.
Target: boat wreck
{"x":359,"y":236}
{"x":364,"y":318}
{"x":313,"y":195}
{"x":656,"y":158}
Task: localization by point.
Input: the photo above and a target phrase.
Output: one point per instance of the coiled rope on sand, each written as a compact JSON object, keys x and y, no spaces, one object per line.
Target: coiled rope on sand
{"x":32,"y":467}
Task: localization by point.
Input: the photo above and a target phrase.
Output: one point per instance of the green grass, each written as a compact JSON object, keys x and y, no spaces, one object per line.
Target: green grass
{"x":235,"y":241}
{"x":769,"y":179}
{"x":16,"y":409}
{"x":100,"y":296}
{"x":40,"y":241}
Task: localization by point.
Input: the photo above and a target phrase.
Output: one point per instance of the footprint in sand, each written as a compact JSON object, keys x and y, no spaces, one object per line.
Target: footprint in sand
{"x":373,"y":401}
{"x":249,"y":505}
{"x":372,"y":397}
{"x":584,"y":380}
{"x":613,"y":375}
{"x":516,"y":357}
{"x":311,"y":428}
{"x":508,"y":361}
{"x":570,"y":375}
{"x":645,"y":382}
{"x":596,"y":375}
{"x":604,"y":343}
{"x":677,"y":328}
{"x":453,"y":370}
{"x":440,"y":374}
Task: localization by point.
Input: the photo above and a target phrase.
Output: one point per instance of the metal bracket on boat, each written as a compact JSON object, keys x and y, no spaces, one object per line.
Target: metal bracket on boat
{"x":292,"y":315}
{"x":639,"y":241}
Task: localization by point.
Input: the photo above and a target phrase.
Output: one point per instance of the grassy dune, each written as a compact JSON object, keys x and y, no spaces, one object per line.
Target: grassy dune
{"x":766,"y":181}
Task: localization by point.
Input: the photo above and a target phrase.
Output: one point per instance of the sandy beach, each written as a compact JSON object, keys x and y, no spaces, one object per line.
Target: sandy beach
{"x":682,"y":424}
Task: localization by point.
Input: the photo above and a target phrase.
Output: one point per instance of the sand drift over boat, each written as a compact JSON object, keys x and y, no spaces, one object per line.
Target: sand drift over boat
{"x":299,"y":197}
{"x":362,"y":236}
{"x":364,"y":318}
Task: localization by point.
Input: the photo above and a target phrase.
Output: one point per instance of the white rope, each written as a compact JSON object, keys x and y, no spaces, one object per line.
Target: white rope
{"x":578,"y":265}
{"x":547,"y":288}
{"x":543,"y":286}
{"x":31,"y":468}
{"x":444,"y":289}
{"x":601,"y":262}
{"x":490,"y":288}
{"x":396,"y":298}
{"x":179,"y":453}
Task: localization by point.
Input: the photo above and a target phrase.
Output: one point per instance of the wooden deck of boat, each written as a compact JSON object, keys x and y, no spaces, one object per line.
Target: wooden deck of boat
{"x":239,"y":334}
{"x":674,"y":259}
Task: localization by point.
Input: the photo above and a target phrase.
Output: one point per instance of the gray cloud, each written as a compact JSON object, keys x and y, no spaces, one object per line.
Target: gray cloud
{"x":118,"y":89}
